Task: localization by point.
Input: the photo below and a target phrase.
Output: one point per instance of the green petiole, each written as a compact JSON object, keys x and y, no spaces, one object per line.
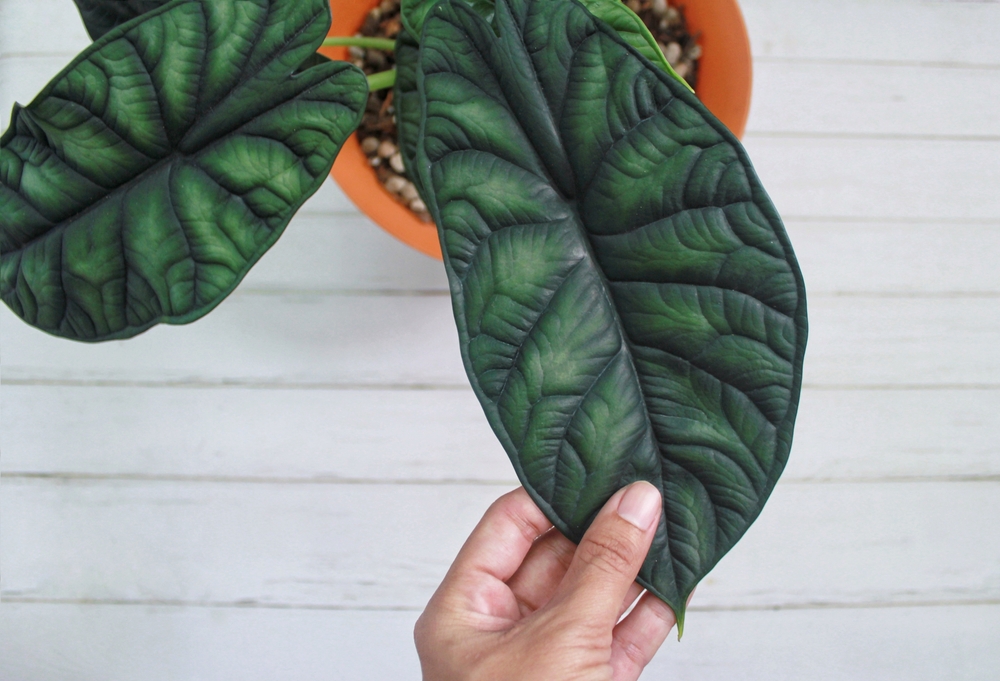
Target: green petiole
{"x":382,"y":80}
{"x":352,"y":41}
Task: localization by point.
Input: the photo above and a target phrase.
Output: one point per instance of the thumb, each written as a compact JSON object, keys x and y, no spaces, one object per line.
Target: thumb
{"x":610,"y":554}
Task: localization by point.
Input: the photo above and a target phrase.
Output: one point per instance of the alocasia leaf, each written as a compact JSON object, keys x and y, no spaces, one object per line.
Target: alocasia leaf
{"x":100,"y":16}
{"x":627,"y":300}
{"x":413,"y":12}
{"x":148,"y":177}
{"x":407,"y":100}
{"x":632,"y":30}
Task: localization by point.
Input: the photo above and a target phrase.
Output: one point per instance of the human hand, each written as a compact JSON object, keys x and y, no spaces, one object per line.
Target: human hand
{"x":522,"y":603}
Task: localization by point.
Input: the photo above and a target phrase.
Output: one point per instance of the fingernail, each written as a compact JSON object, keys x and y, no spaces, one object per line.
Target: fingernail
{"x":640,"y":505}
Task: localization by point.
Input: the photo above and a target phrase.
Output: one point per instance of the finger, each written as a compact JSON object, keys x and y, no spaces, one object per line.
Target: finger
{"x":610,"y":554}
{"x":638,"y":637}
{"x":502,"y":538}
{"x":543,"y":568}
{"x":634,"y":591}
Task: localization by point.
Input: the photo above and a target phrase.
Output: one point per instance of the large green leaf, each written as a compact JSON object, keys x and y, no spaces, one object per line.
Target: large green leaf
{"x":632,"y":30}
{"x":100,"y":16}
{"x":407,"y":100}
{"x":148,"y":177}
{"x":413,"y":12}
{"x":627,"y":300}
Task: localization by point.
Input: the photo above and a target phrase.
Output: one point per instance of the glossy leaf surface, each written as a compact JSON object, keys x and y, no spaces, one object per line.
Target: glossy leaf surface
{"x":148,"y":177}
{"x":414,"y":12}
{"x":407,"y":100}
{"x":628,"y":303}
{"x":100,"y":16}
{"x":632,"y":30}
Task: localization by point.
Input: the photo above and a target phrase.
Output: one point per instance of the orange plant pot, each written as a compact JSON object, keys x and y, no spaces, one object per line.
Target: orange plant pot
{"x":724,"y":83}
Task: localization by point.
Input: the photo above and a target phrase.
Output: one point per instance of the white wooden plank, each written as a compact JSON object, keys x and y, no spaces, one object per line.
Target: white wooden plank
{"x":880,"y":178}
{"x":389,"y":545}
{"x":873,"y":99}
{"x":116,"y":643}
{"x":263,"y":434}
{"x":956,"y":32}
{"x":903,"y":341}
{"x":905,"y":644}
{"x":342,"y":252}
{"x":40,"y":25}
{"x":355,"y":545}
{"x":788,"y":96}
{"x":411,"y":341}
{"x":875,"y":434}
{"x":283,"y":339}
{"x":120,"y":643}
{"x":953,"y":32}
{"x":440,"y":436}
{"x":897,"y":258}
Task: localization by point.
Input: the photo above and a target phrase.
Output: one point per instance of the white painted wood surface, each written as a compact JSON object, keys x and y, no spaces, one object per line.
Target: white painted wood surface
{"x":274,"y":491}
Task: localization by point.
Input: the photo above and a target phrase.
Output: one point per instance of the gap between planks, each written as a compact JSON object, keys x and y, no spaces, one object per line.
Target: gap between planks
{"x":902,"y":63}
{"x":234,"y":384}
{"x":254,"y":605}
{"x":70,"y":476}
{"x":912,"y":137}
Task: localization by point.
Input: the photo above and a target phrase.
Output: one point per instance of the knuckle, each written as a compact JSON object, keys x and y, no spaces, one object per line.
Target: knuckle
{"x":633,"y":652}
{"x":608,"y":553}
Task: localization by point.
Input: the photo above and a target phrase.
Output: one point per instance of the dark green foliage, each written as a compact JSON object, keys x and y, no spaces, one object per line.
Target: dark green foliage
{"x":406,"y":99}
{"x":148,"y":177}
{"x":413,"y":12}
{"x":628,"y":303}
{"x":100,"y":16}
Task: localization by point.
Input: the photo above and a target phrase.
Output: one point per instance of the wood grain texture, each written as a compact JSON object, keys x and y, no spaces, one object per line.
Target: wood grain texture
{"x":43,"y":642}
{"x":365,"y":545}
{"x":302,"y":340}
{"x":53,"y":642}
{"x":439,"y":437}
{"x":958,"y":33}
{"x":873,"y":99}
{"x":901,"y":179}
{"x":898,"y":258}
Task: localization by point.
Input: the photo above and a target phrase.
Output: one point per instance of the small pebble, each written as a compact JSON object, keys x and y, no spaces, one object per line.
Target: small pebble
{"x":396,"y":162}
{"x":356,"y":52}
{"x":375,"y":161}
{"x":683,"y":69}
{"x":634,"y":5}
{"x":673,"y":16}
{"x":660,"y":8}
{"x":673,"y":52}
{"x":386,"y":6}
{"x":376,"y":59}
{"x":397,"y":185}
{"x":694,"y":53}
{"x":387,"y":149}
{"x":369,"y":145}
{"x":409,"y":191}
{"x":418,"y":206}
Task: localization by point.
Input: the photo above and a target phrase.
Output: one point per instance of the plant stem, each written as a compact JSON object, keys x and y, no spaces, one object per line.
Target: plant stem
{"x":351,"y":41}
{"x":382,"y":80}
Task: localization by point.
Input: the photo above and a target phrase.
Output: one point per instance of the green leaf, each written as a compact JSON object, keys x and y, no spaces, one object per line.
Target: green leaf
{"x":627,"y":300}
{"x":100,"y":16}
{"x":148,"y":177}
{"x":633,"y":30}
{"x":407,"y":100}
{"x":414,"y":12}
